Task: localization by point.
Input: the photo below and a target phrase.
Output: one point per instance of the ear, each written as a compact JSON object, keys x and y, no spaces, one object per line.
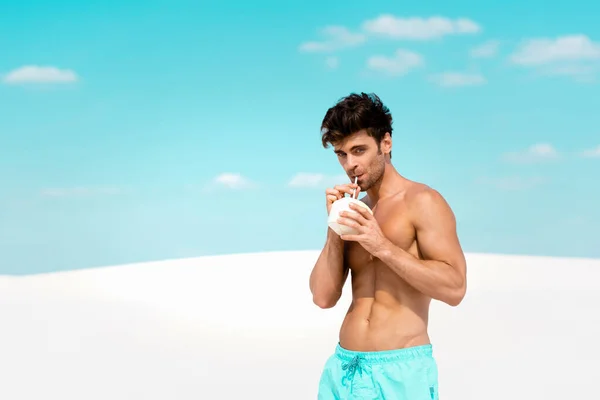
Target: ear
{"x":386,"y":143}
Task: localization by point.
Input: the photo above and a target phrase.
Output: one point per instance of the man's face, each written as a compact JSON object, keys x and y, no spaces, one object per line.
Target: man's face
{"x":360,"y":156}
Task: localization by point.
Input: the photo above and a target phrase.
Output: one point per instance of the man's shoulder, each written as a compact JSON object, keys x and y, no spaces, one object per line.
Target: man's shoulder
{"x":421,"y":197}
{"x":419,"y":192}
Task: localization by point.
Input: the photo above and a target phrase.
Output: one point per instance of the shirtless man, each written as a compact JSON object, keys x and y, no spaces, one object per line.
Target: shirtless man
{"x":404,"y":255}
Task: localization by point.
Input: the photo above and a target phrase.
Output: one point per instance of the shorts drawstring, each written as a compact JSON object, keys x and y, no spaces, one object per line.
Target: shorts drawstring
{"x":351,"y":368}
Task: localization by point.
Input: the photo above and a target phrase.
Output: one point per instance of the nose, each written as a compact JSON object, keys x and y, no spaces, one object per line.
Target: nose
{"x":351,"y":162}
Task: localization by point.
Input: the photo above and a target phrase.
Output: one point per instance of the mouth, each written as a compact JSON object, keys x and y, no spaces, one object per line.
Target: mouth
{"x":358,"y":178}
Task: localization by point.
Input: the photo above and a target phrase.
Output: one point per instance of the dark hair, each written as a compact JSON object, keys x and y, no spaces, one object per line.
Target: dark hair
{"x":353,"y":113}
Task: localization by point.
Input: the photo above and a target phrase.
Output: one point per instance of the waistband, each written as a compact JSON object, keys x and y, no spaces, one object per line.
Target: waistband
{"x":376,"y":357}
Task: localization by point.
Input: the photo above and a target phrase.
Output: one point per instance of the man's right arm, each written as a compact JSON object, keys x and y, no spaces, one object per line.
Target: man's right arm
{"x":329,"y":273}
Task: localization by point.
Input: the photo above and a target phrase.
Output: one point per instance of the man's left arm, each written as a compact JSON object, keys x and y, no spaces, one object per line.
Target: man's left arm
{"x":442,"y":273}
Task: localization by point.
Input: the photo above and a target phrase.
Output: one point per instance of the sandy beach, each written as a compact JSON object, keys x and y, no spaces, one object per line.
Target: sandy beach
{"x":244,"y":326}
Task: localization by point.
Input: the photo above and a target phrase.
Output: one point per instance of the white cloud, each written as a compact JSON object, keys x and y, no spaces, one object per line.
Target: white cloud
{"x":233,"y":181}
{"x":454,"y":79}
{"x":418,"y":28}
{"x":80,"y":191}
{"x":564,"y":48}
{"x":575,"y":56}
{"x":40,"y":74}
{"x":316,"y":180}
{"x":332,"y":62}
{"x":512,"y":183}
{"x":592,"y":153}
{"x":336,"y":38}
{"x":486,"y":50}
{"x":580,"y":73}
{"x":399,"y":64}
{"x":535,"y":153}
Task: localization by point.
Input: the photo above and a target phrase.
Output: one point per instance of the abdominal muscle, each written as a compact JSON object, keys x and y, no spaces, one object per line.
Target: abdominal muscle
{"x":385,"y":314}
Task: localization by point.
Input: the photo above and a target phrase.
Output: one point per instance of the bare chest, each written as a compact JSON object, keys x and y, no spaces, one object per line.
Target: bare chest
{"x":396,"y":226}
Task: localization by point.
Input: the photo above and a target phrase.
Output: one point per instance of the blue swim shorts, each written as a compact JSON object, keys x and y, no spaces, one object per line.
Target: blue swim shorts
{"x":404,"y":374}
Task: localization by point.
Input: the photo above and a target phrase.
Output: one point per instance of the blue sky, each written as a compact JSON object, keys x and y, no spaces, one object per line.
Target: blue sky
{"x":155,"y":130}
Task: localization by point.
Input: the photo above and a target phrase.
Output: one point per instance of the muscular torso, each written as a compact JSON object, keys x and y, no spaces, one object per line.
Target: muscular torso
{"x":386,"y":313}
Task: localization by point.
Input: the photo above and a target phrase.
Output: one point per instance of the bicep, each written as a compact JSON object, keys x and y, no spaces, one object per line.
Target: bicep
{"x":435,"y":226}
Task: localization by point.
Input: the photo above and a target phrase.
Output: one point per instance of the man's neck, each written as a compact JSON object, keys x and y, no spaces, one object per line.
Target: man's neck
{"x":387,"y":186}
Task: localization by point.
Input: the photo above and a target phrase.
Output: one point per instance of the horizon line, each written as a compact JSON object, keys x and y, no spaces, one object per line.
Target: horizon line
{"x":270,"y":252}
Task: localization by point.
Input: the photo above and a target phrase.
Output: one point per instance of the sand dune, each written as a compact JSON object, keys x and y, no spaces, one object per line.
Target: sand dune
{"x":244,"y":327}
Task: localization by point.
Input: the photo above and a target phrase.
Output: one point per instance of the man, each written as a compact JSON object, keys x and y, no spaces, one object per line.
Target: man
{"x":403,"y":256}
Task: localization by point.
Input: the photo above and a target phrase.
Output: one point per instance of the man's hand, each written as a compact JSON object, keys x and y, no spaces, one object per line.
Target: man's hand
{"x":369,"y":235}
{"x":338,"y":192}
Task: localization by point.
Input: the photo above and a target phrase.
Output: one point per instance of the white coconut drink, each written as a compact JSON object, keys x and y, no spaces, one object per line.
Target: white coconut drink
{"x":340,"y":205}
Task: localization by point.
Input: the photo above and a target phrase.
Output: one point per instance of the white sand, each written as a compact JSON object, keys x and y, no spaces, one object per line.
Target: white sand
{"x":244,"y":327}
